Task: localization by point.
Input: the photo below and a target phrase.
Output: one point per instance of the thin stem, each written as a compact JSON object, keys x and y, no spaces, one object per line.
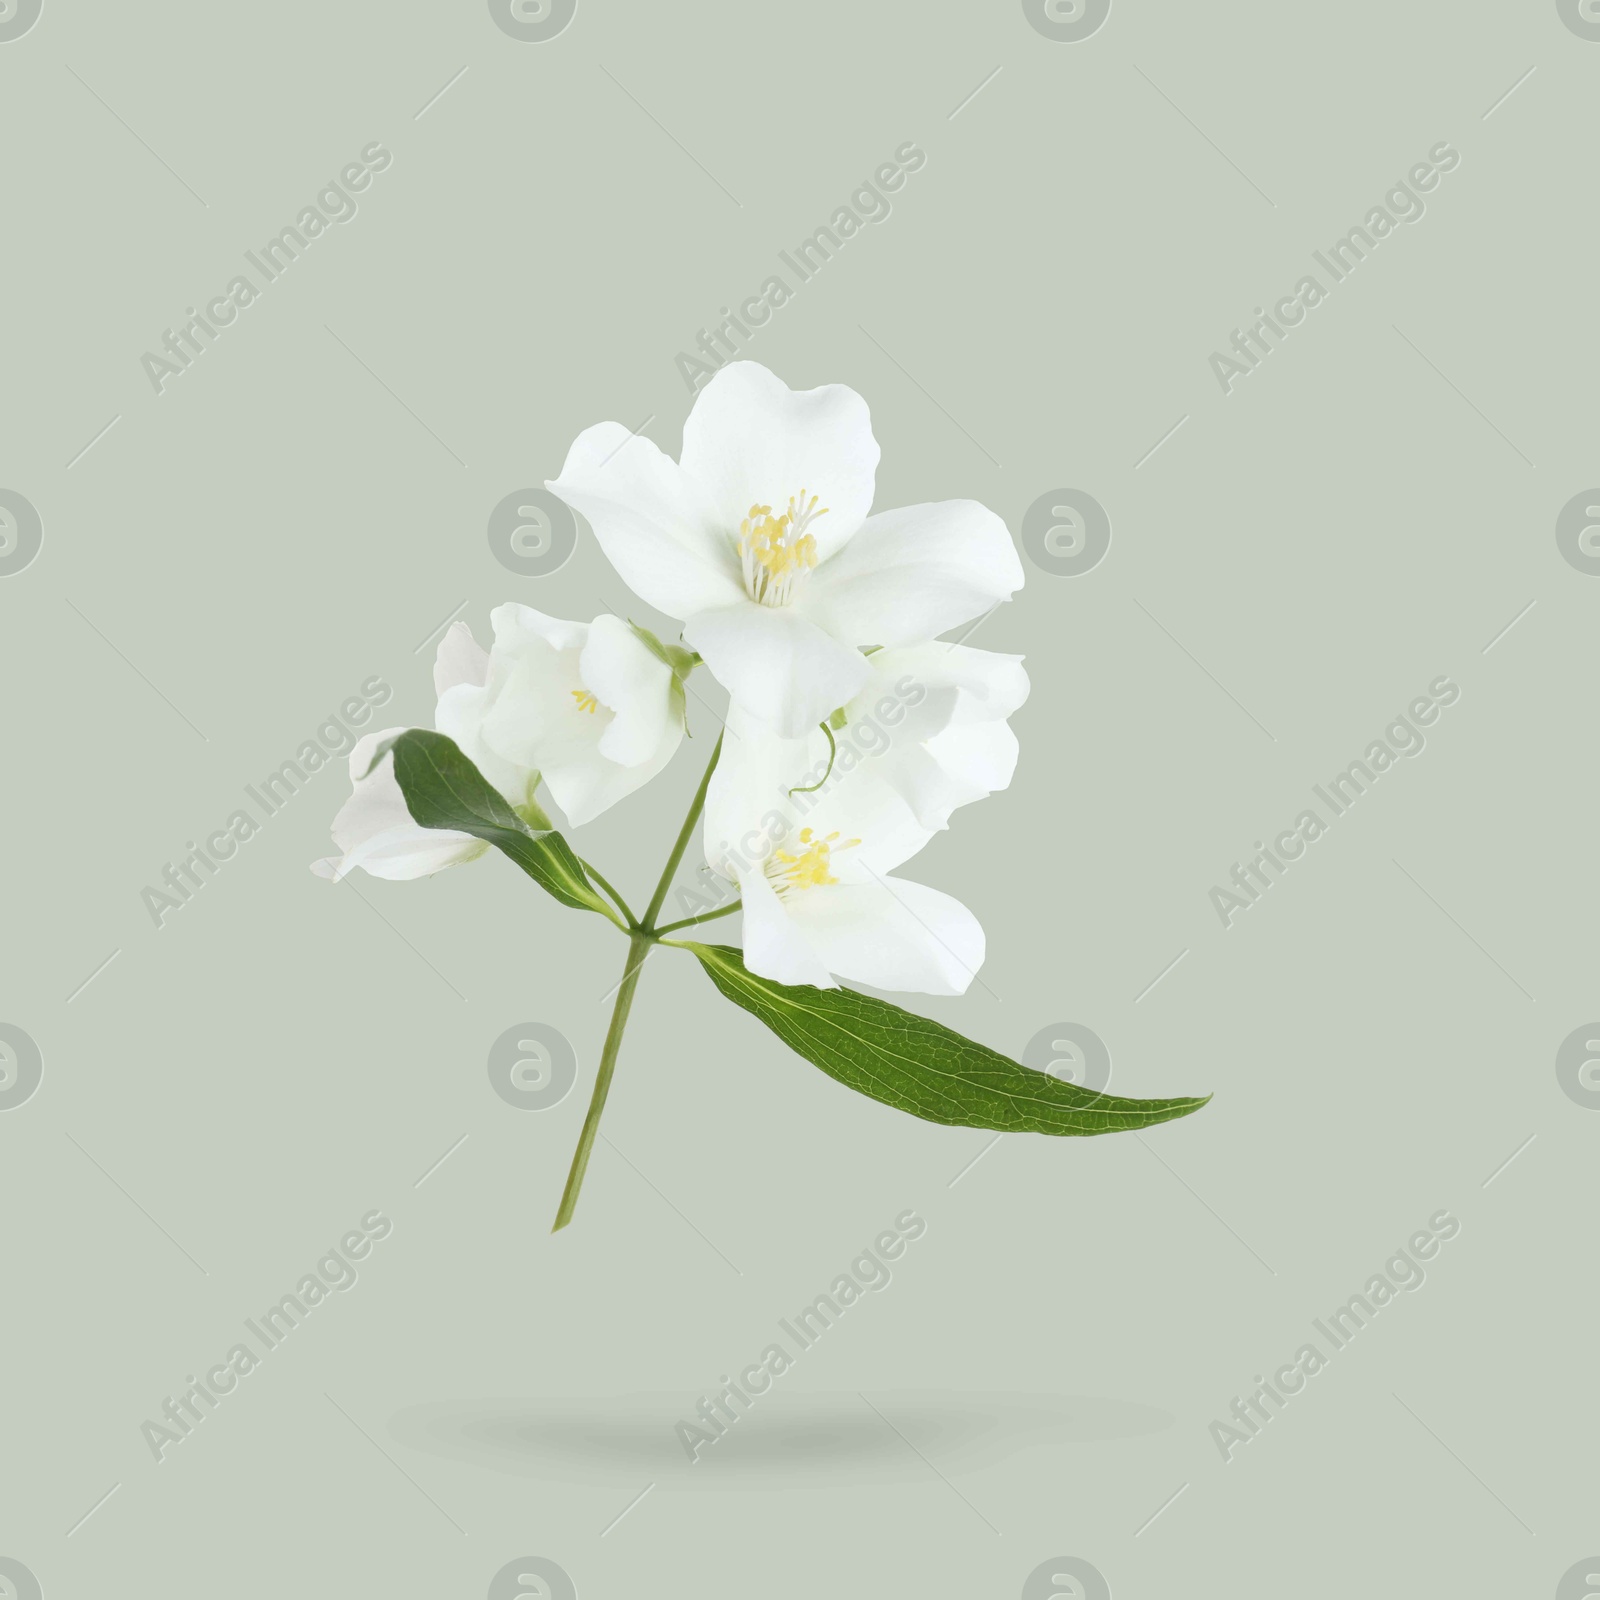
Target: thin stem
{"x":684,"y":834}
{"x":638,"y":949}
{"x":621,"y":904}
{"x":642,"y":936}
{"x":709,"y":916}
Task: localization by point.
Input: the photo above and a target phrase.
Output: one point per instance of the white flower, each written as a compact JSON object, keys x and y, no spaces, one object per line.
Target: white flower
{"x":761,"y":542}
{"x":931,"y":722}
{"x":588,"y":707}
{"x":814,"y":871}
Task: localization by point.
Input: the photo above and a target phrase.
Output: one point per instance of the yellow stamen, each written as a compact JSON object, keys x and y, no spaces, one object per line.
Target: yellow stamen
{"x":809,"y":869}
{"x":586,"y":701}
{"x":777,"y":552}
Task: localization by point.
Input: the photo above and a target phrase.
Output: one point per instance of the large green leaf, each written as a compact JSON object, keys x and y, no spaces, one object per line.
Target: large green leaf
{"x":443,"y":789}
{"x":922,"y":1067}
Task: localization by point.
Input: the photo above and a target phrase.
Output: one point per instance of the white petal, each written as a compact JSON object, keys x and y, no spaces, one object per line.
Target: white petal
{"x":747,"y":806}
{"x":374,"y":830}
{"x":932,"y":718}
{"x":626,"y":676}
{"x":530,"y":713}
{"x":751,"y":440}
{"x":913,"y":573}
{"x":653,"y":521}
{"x":460,"y":659}
{"x":774,"y":946}
{"x":775,"y":664}
{"x":891,"y":934}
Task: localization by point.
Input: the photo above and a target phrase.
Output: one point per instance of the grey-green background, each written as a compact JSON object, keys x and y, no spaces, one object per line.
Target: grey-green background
{"x":302,"y":509}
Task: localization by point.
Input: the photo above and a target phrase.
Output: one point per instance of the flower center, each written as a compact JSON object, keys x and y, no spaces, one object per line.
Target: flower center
{"x":788,"y":872}
{"x":586,"y":701}
{"x":777,"y":552}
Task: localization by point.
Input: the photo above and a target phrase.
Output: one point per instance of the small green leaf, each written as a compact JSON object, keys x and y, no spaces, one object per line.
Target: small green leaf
{"x":916,"y":1065}
{"x":443,"y":789}
{"x":681,"y":660}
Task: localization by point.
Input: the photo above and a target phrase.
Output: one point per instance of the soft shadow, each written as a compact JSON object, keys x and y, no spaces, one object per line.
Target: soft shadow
{"x":783,"y":1439}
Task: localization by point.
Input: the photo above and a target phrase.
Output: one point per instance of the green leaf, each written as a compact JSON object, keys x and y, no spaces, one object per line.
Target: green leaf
{"x":916,"y":1065}
{"x":443,"y":789}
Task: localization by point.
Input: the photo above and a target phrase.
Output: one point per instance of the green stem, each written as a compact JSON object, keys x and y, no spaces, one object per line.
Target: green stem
{"x":638,"y":949}
{"x":641,"y":937}
{"x":709,"y":916}
{"x":684,"y":835}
